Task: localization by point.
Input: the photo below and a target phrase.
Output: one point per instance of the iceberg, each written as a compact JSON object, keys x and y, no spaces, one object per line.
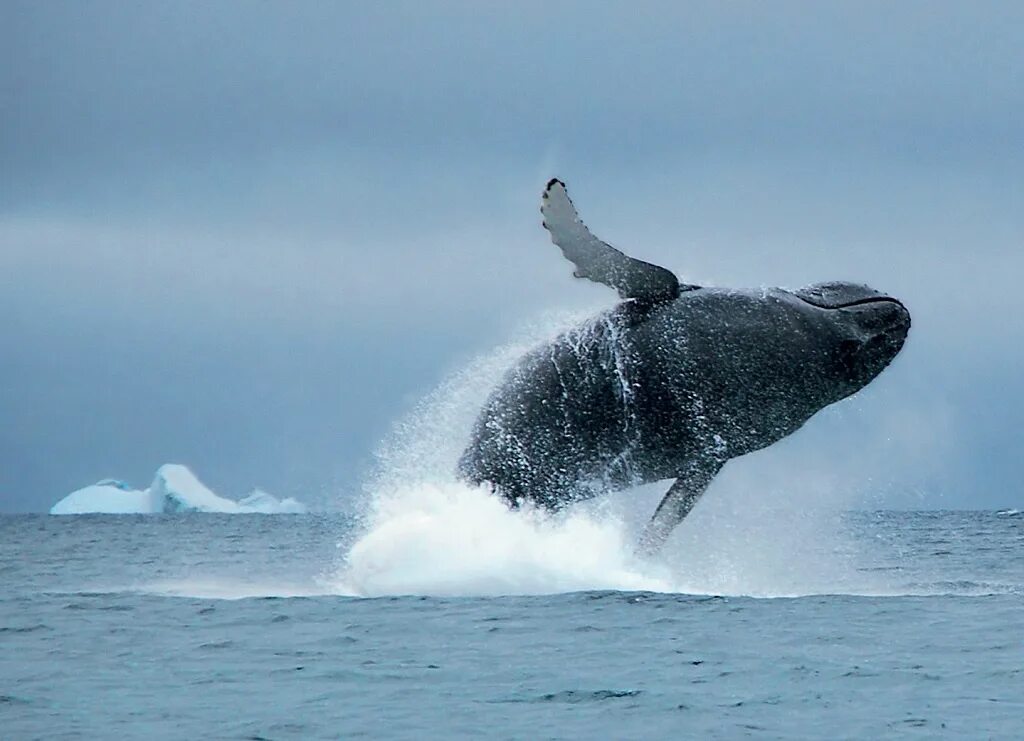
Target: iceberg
{"x":107,"y":496}
{"x":259,"y":501}
{"x":174,"y":489}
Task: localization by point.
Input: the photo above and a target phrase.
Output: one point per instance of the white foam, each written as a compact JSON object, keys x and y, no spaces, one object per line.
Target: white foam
{"x":454,"y":539}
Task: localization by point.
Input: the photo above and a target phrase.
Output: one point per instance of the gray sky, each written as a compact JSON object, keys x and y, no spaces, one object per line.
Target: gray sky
{"x":248,"y":237}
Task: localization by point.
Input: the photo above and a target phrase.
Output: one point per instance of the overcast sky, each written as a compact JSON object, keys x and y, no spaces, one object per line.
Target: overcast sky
{"x":249,"y":236}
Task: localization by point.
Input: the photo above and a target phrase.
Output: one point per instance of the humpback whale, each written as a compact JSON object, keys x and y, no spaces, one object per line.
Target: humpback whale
{"x":672,"y":382}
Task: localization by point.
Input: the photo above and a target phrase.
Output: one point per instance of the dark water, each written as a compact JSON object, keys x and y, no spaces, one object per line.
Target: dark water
{"x":209,"y":626}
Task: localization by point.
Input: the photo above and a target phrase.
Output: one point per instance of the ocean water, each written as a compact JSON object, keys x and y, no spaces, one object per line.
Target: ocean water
{"x":891,"y":624}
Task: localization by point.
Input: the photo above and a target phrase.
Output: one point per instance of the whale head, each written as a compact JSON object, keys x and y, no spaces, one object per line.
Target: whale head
{"x":870,"y":326}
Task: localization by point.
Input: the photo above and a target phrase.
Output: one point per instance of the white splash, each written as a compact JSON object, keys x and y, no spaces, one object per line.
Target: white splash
{"x":454,"y":539}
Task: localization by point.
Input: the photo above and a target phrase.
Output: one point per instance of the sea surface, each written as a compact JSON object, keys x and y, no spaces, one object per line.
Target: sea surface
{"x":896,"y":625}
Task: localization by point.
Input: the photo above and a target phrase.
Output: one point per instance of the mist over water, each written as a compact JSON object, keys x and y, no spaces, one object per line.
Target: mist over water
{"x":426,"y":533}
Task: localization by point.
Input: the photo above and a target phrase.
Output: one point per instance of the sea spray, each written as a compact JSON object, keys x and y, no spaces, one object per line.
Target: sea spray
{"x":427,"y":533}
{"x":454,"y":539}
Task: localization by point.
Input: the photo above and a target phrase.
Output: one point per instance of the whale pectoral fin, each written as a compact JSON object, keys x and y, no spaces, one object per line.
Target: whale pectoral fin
{"x":676,"y":505}
{"x":598,"y":261}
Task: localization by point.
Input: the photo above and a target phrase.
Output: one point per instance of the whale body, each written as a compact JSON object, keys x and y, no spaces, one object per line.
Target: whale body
{"x":672,"y":382}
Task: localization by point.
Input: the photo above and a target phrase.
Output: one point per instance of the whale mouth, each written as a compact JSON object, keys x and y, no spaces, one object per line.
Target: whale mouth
{"x":836,"y":302}
{"x":867,"y":301}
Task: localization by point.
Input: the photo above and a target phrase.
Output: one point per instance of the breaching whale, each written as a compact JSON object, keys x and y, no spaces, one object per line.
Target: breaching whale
{"x":672,"y":382}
